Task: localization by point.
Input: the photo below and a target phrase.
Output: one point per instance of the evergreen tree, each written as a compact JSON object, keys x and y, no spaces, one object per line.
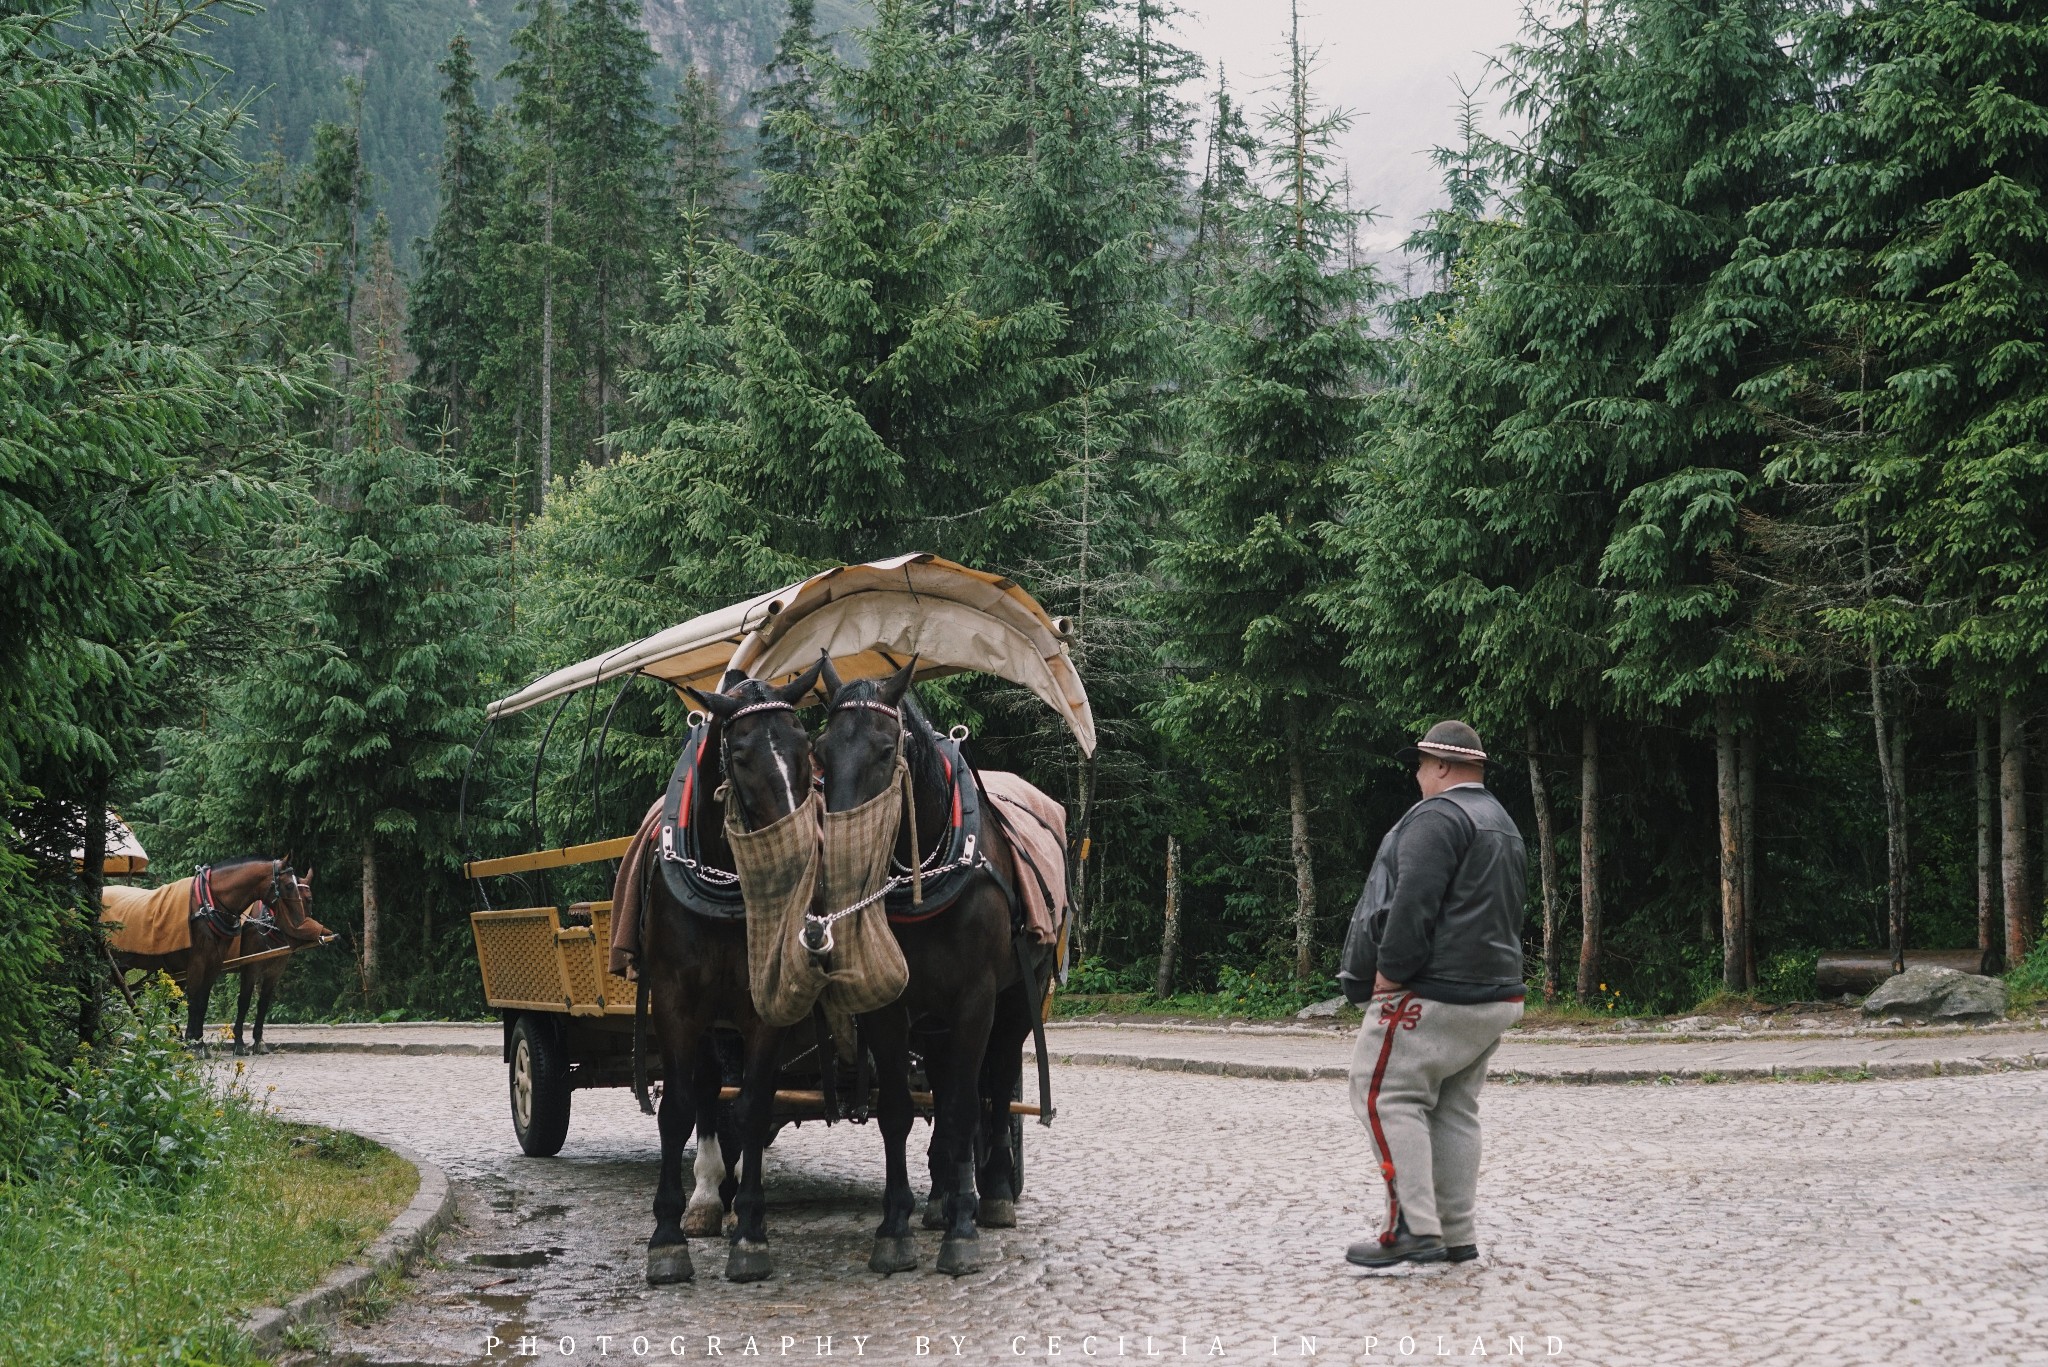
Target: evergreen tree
{"x":357,"y":730}
{"x":702,"y":183}
{"x":452,"y":321}
{"x":1244,"y":558}
{"x":789,"y":102}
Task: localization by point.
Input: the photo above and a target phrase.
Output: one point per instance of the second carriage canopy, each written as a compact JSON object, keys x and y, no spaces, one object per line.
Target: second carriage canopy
{"x":870,"y":619}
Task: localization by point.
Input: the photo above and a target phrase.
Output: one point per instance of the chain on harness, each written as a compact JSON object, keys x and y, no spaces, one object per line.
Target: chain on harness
{"x":816,"y":935}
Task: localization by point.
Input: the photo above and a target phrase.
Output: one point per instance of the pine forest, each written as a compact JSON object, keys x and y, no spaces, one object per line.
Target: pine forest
{"x":1701,"y":464}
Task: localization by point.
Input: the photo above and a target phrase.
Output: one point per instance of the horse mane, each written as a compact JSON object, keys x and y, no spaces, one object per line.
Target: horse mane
{"x":227,"y":865}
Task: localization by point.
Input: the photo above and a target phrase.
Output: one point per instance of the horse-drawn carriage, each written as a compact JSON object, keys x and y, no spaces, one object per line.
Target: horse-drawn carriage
{"x":561,"y":970}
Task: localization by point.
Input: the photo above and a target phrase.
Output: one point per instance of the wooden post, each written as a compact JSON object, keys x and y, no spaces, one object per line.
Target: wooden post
{"x":1169,"y":939}
{"x":1988,"y":937}
{"x":1589,"y":859}
{"x":369,"y":965}
{"x":1304,"y":867}
{"x":1546,"y":864}
{"x":2012,"y":810}
{"x":1727,"y":788}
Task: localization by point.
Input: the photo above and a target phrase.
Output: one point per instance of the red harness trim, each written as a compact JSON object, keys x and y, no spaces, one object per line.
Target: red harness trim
{"x":690,"y":781}
{"x":1403,"y":1013}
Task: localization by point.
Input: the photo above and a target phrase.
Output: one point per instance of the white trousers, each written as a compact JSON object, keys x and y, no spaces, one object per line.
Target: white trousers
{"x":1415,"y":1078}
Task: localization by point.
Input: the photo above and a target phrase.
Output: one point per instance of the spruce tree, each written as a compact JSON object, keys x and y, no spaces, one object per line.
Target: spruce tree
{"x":452,"y":318}
{"x":1244,"y":559}
{"x":702,"y":183}
{"x":788,"y":100}
{"x":358,"y":729}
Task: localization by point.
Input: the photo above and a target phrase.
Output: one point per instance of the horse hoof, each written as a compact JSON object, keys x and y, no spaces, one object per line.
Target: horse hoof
{"x":935,"y":1213}
{"x":240,"y":1051}
{"x":261,"y":1048}
{"x":748,"y":1262}
{"x":996,"y":1212}
{"x":898,"y":1254}
{"x":960,"y":1257}
{"x":704,"y":1221}
{"x":669,"y":1264}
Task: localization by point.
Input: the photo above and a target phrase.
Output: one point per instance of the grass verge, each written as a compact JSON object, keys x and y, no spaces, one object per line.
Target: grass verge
{"x":94,"y":1271}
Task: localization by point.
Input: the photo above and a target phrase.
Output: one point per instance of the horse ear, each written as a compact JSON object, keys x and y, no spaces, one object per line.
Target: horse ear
{"x":829,"y":675}
{"x":898,"y":684}
{"x":717,"y":704}
{"x":796,"y":688}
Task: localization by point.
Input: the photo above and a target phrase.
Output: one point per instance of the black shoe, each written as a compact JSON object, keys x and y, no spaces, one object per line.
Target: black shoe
{"x":1461,"y":1253}
{"x":1405,"y":1248}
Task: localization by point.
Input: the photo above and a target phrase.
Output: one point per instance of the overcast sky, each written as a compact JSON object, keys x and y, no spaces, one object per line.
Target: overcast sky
{"x":1392,"y":63}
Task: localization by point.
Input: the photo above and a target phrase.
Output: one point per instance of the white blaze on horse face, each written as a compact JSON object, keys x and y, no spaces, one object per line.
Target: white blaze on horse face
{"x":788,"y":784}
{"x":710,"y":1171}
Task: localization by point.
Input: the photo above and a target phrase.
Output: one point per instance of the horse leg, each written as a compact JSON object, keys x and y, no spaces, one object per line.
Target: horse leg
{"x":198,"y":987}
{"x":705,"y":1216}
{"x":668,"y":1249}
{"x":956,"y":1110}
{"x":1000,"y":1068}
{"x":242,"y":1010}
{"x":887,"y":1035}
{"x":935,"y":1159}
{"x":264,"y":997}
{"x":749,"y":1261}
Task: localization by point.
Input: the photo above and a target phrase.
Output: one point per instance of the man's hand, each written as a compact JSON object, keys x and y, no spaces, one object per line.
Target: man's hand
{"x":1381,"y":986}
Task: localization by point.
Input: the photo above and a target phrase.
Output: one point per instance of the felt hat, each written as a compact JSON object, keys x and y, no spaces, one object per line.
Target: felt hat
{"x":1451,"y":740}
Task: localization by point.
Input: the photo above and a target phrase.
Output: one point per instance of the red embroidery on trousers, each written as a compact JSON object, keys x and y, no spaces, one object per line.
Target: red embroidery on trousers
{"x":1402,"y":1013}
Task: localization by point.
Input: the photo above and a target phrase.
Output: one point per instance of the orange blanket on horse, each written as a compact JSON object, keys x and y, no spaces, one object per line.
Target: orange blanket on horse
{"x":1037,"y":827}
{"x":148,"y":920}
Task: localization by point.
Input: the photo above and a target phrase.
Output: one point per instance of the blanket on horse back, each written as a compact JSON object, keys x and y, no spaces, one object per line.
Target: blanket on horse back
{"x":148,"y":920}
{"x":1037,"y":827}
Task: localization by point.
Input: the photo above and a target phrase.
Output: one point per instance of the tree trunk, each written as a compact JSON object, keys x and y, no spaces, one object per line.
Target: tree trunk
{"x":1546,"y":865}
{"x":1988,"y":937}
{"x":93,"y":987}
{"x":1728,"y":791}
{"x":1889,"y":767}
{"x":369,"y":967}
{"x":2012,"y":810}
{"x":1304,"y":868}
{"x":1083,"y":848}
{"x":1589,"y":859}
{"x":1169,"y":939}
{"x":1745,"y":805}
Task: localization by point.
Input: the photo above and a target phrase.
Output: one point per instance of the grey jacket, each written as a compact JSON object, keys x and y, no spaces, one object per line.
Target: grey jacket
{"x":1442,"y":909}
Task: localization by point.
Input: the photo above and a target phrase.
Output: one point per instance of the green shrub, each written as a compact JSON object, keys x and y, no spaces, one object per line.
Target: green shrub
{"x":1256,"y":994}
{"x":30,"y":1002}
{"x":2028,"y":978}
{"x":138,"y":1106}
{"x":1788,"y":976}
{"x":1095,"y":977}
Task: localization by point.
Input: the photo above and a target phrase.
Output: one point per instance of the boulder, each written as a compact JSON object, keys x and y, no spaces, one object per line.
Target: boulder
{"x":1935,"y":993}
{"x":1692,"y":1024}
{"x":1324,"y":1010}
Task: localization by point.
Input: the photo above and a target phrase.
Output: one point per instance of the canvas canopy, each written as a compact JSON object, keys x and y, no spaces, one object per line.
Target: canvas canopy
{"x":125,"y":856}
{"x":870,"y":619}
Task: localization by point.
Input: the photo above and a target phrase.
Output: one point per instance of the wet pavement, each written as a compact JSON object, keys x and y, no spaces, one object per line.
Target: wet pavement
{"x":1181,"y":1216}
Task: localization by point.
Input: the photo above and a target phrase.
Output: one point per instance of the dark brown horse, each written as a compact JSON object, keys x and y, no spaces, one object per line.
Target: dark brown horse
{"x":695,"y":968}
{"x":223,"y":893}
{"x":266,"y":928}
{"x":969,"y":1004}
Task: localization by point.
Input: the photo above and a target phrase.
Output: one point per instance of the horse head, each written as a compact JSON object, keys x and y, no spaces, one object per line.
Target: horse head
{"x":763,"y":746}
{"x":863,"y":736}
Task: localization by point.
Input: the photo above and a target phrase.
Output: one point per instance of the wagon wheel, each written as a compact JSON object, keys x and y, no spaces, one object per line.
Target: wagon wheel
{"x":539,"y":1076}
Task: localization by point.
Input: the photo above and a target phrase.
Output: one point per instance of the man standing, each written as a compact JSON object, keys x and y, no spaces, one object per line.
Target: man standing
{"x":1436,"y":943}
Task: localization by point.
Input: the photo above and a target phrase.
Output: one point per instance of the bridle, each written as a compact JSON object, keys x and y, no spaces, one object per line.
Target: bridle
{"x":724,"y":744}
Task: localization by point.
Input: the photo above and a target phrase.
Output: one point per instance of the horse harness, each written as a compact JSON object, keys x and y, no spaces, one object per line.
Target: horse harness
{"x":703,"y":888}
{"x":226,"y":925}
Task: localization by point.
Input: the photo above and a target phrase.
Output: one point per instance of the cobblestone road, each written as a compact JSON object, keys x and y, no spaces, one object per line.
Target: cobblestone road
{"x":1205,"y":1217}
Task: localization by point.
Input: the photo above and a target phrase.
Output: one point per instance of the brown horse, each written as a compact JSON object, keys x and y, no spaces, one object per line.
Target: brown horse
{"x":268,"y":928}
{"x":220,"y":894}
